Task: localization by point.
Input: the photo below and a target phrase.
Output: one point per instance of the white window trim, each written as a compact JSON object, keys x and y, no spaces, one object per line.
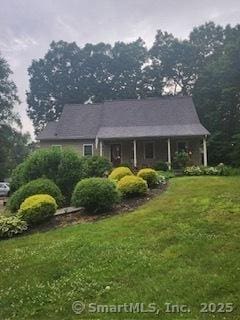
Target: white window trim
{"x":153,"y":143}
{"x":87,"y":145}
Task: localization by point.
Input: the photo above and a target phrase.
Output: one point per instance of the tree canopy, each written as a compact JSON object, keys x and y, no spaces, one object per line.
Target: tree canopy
{"x":14,"y":146}
{"x":69,"y":74}
{"x":217,"y":97}
{"x":205,"y":65}
{"x":8,"y":95}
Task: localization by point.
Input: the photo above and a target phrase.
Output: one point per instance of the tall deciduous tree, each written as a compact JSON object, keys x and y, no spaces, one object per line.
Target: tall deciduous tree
{"x":14,"y":148}
{"x":217,"y":97}
{"x":68,"y":74}
{"x":13,"y":145}
{"x":175,"y":61}
{"x":208,"y":39}
{"x":8,"y":95}
{"x":126,"y":69}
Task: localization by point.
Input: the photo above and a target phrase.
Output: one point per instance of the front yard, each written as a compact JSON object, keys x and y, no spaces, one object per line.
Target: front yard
{"x":181,"y":247}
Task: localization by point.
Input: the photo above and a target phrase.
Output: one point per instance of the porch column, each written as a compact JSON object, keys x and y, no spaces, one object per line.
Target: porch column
{"x":169,"y":154}
{"x":205,"y":151}
{"x":96,"y":143}
{"x":135,"y":153}
{"x":101,"y":148}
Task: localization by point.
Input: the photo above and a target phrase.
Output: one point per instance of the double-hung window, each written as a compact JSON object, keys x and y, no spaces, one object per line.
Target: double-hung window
{"x":87,"y":149}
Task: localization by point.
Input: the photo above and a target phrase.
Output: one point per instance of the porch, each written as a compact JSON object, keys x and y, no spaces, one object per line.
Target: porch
{"x":147,"y":152}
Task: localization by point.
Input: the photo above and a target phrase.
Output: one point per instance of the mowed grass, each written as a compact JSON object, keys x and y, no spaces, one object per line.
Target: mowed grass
{"x":182,"y":248}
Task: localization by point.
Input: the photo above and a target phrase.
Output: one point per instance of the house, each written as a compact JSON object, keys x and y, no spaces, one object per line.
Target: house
{"x":137,"y":132}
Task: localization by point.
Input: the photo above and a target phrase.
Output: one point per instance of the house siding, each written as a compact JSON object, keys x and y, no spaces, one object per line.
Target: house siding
{"x":77,"y":145}
{"x":160,"y":149}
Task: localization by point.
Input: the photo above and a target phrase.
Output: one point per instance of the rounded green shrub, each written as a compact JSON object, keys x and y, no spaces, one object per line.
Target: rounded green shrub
{"x":11,"y":226}
{"x":64,"y":167}
{"x":161,"y":166}
{"x":70,"y":171}
{"x":95,"y":194}
{"x":131,"y":186}
{"x":18,"y":177}
{"x":120,"y":172}
{"x":96,"y":166}
{"x":149,"y":175}
{"x":38,"y":186}
{"x":37,"y":209}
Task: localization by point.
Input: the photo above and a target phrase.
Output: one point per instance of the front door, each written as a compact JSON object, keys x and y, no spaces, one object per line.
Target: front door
{"x":116,"y":154}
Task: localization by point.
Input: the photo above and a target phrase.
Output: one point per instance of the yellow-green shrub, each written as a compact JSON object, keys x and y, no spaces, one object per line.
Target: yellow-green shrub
{"x":149,"y":175}
{"x":131,"y":186}
{"x":37,"y":208}
{"x":120,"y":172}
{"x":38,"y":186}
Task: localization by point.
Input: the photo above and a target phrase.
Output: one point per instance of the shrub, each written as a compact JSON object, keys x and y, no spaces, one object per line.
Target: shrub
{"x":64,"y":167}
{"x":95,"y":194}
{"x":10,"y":226}
{"x":161,"y":178}
{"x":166,"y":174}
{"x":210,"y":171}
{"x":149,"y":175}
{"x":18,"y":177}
{"x":193,"y":171}
{"x":224,"y":170}
{"x":127,"y":165}
{"x":131,"y":186}
{"x":161,"y":166}
{"x":70,"y":171}
{"x":227,"y":170}
{"x":180,"y":160}
{"x":37,"y":208}
{"x":96,"y":166}
{"x":38,"y":186}
{"x":120,"y":172}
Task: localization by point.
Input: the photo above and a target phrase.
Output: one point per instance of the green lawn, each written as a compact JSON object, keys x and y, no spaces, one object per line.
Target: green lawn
{"x":182,"y":247}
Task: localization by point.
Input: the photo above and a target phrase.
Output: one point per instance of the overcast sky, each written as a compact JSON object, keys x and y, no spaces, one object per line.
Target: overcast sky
{"x":28,"y":26}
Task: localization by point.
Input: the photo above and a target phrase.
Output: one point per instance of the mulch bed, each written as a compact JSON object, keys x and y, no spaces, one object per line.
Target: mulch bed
{"x":126,"y":205}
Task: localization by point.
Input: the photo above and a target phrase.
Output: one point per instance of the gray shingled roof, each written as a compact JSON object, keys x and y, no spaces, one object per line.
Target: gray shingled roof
{"x":166,"y":116}
{"x":48,"y":131}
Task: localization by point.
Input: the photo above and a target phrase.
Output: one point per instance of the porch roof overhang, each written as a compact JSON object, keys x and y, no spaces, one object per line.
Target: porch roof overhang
{"x":152,"y":131}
